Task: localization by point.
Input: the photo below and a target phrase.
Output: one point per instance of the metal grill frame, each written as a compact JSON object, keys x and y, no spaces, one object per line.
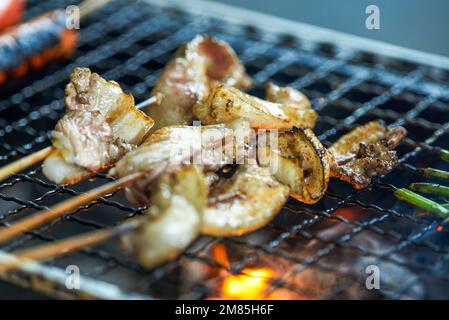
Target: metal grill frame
{"x":360,"y":85}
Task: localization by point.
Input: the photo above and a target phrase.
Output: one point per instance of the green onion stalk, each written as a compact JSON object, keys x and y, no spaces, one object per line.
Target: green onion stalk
{"x":435,"y":173}
{"x":430,"y":188}
{"x":422,"y":202}
{"x":444,"y":154}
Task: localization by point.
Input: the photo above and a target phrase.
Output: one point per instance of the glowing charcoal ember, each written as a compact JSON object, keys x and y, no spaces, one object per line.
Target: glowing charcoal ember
{"x":249,"y":285}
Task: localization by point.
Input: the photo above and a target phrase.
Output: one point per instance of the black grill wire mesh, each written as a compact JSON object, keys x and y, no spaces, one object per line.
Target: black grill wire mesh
{"x":318,"y":251}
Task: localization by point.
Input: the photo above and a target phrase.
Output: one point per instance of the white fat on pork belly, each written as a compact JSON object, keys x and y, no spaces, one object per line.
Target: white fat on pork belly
{"x":286,"y":108}
{"x":173,"y":220}
{"x":245,"y":202}
{"x":100,"y":126}
{"x":196,"y":67}
{"x":208,"y":147}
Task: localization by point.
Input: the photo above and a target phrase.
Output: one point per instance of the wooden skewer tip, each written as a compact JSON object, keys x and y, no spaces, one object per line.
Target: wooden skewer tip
{"x":64,"y":246}
{"x":25,"y":162}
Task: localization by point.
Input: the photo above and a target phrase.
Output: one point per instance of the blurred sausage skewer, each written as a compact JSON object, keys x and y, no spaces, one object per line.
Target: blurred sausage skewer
{"x":32,"y":44}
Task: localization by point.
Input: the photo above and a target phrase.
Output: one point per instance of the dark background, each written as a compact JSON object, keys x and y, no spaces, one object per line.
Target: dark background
{"x":417,"y":24}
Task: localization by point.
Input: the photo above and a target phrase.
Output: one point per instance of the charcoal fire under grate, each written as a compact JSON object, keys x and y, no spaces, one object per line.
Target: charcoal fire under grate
{"x":309,"y":252}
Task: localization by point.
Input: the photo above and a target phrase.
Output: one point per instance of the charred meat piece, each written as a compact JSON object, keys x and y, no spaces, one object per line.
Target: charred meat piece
{"x":226,"y":103}
{"x":100,"y":126}
{"x":365,"y":152}
{"x":197,"y":66}
{"x":173,"y":220}
{"x":245,"y":202}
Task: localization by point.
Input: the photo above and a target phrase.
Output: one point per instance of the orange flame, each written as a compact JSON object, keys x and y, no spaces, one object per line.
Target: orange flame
{"x":250,"y":285}
{"x":220,"y":255}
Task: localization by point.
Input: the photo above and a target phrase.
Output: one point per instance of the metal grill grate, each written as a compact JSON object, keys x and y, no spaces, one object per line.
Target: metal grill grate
{"x":318,"y":251}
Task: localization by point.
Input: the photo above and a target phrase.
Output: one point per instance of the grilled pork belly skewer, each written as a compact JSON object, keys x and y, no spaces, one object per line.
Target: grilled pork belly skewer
{"x":358,"y":156}
{"x":199,"y":64}
{"x":206,"y":74}
{"x":301,"y":163}
{"x":177,"y":215}
{"x":177,"y":197}
{"x":285,"y":108}
{"x":305,"y":165}
{"x":196,"y":68}
{"x":168,"y":227}
{"x":231,"y":197}
{"x":165,"y":150}
{"x":71,"y":174}
{"x":100,"y":125}
{"x":365,"y":152}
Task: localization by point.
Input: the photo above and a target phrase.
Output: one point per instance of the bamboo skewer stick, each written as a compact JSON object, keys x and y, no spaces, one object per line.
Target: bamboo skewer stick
{"x":38,"y":156}
{"x":89,"y":6}
{"x":24,"y":162}
{"x":65,"y":207}
{"x":72,"y":244}
{"x":66,"y":246}
{"x":147,"y":102}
